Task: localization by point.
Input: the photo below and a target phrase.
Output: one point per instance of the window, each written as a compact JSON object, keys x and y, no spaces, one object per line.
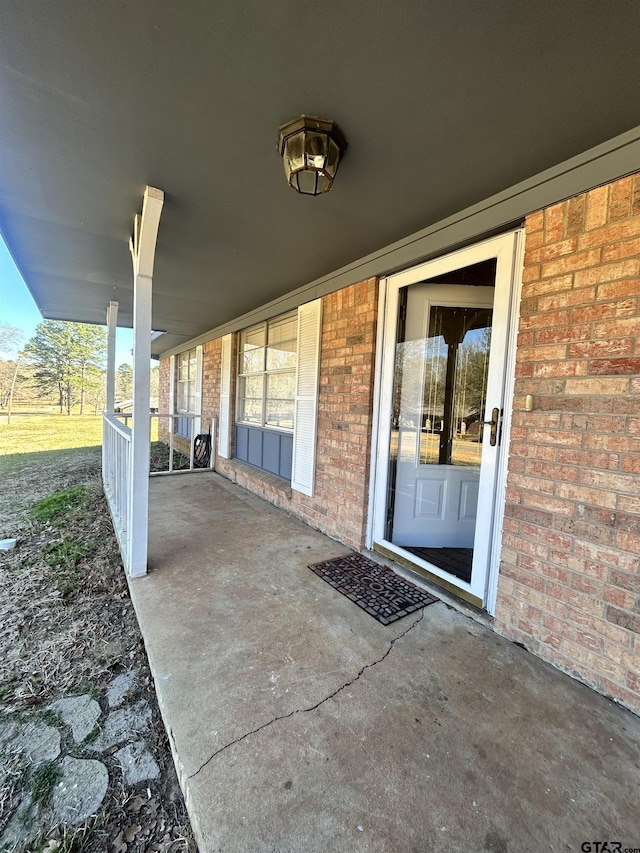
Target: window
{"x":278,"y":367}
{"x":186,"y":401}
{"x":186,"y":390}
{"x":266,"y":392}
{"x":267,"y":373}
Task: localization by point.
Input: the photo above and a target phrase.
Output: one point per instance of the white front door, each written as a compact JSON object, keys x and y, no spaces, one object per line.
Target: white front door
{"x":441,"y":387}
{"x":440,"y":424}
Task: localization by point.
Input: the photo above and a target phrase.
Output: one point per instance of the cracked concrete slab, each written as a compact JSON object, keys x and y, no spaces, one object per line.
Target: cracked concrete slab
{"x":456,"y":758}
{"x":310,"y":708}
{"x":316,"y":728}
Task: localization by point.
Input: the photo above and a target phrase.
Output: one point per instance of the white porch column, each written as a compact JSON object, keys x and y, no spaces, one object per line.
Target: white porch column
{"x":143,"y":246}
{"x":112,"y":322}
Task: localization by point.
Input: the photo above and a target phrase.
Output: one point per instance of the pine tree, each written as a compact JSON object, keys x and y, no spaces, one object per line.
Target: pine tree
{"x":124,"y":382}
{"x":68,"y":358}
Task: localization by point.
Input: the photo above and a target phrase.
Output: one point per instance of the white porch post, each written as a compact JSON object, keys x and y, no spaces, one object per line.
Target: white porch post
{"x":112,"y":322}
{"x":143,"y":246}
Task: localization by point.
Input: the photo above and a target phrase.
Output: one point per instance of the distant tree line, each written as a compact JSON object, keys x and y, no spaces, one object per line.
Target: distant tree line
{"x":63,"y":362}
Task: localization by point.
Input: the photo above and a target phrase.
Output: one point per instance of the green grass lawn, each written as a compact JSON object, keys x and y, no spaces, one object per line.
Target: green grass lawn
{"x":34,"y":433}
{"x":33,"y":448}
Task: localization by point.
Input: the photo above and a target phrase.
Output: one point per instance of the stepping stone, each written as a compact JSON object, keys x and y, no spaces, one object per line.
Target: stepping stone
{"x":81,"y":790}
{"x":23,"y":827}
{"x":124,"y":726}
{"x":120,"y":687}
{"x":138,"y":765}
{"x":80,"y":713}
{"x":37,"y":741}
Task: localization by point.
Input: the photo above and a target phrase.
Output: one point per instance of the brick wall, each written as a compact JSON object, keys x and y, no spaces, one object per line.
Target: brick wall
{"x":569,"y":586}
{"x":345,"y":405}
{"x":211,"y":356}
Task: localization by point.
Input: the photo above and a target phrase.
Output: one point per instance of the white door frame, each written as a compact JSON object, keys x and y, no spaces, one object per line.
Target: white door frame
{"x":509,"y":249}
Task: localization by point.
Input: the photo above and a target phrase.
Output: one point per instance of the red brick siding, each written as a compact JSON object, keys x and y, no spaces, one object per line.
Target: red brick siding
{"x":345,"y":405}
{"x":569,"y":586}
{"x":211,"y":378}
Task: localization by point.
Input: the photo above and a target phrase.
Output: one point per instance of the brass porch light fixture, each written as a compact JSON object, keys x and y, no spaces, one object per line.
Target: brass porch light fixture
{"x":311,"y":148}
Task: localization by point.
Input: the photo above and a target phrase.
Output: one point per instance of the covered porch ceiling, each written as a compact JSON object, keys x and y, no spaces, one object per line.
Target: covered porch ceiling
{"x":443,"y":105}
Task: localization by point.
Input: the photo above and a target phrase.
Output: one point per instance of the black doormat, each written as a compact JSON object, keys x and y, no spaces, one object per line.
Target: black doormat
{"x":374,"y":588}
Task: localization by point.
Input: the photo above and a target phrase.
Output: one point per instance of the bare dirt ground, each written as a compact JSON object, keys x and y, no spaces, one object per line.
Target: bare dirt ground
{"x":67,"y":628}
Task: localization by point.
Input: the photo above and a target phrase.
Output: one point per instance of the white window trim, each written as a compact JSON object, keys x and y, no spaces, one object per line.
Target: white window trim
{"x":224,"y":426}
{"x":174,"y":393}
{"x":305,"y":424}
{"x":180,"y":383}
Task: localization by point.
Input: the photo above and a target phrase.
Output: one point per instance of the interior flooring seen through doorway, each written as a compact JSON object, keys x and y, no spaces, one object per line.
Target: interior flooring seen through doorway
{"x":456,"y":561}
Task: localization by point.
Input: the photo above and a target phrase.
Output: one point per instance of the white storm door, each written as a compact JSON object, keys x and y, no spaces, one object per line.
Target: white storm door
{"x":443,"y":378}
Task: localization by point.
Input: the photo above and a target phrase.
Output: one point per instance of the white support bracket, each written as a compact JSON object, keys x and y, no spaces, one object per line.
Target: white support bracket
{"x":143,"y":249}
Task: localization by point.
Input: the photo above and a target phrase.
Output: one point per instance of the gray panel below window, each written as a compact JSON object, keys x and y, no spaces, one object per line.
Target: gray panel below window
{"x":265,"y":449}
{"x":242,"y":443}
{"x":286,"y":455}
{"x":183,"y":427}
{"x":254,"y":456}
{"x":271,"y":452}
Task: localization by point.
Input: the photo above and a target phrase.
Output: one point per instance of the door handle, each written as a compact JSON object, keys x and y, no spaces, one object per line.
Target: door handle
{"x":493,"y":423}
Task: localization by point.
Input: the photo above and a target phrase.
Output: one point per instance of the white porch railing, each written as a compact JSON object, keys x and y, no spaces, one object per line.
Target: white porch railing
{"x":116,"y":478}
{"x":199,"y":425}
{"x":116,"y":461}
{"x":180,"y":448}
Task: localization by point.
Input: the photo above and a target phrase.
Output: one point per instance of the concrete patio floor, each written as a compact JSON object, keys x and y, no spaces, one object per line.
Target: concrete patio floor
{"x":299,"y":723}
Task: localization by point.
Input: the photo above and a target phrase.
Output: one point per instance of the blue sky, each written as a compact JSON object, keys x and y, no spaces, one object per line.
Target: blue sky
{"x":17,"y":307}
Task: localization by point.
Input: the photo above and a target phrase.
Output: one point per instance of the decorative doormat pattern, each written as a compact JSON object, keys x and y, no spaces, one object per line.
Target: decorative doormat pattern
{"x":374,"y":588}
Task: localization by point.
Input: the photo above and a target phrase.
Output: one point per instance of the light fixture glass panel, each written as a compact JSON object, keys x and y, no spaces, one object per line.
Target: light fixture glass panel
{"x":307,"y":182}
{"x":294,"y":151}
{"x":333,"y":155}
{"x":310,"y":144}
{"x":316,"y":149}
{"x":323,"y":183}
